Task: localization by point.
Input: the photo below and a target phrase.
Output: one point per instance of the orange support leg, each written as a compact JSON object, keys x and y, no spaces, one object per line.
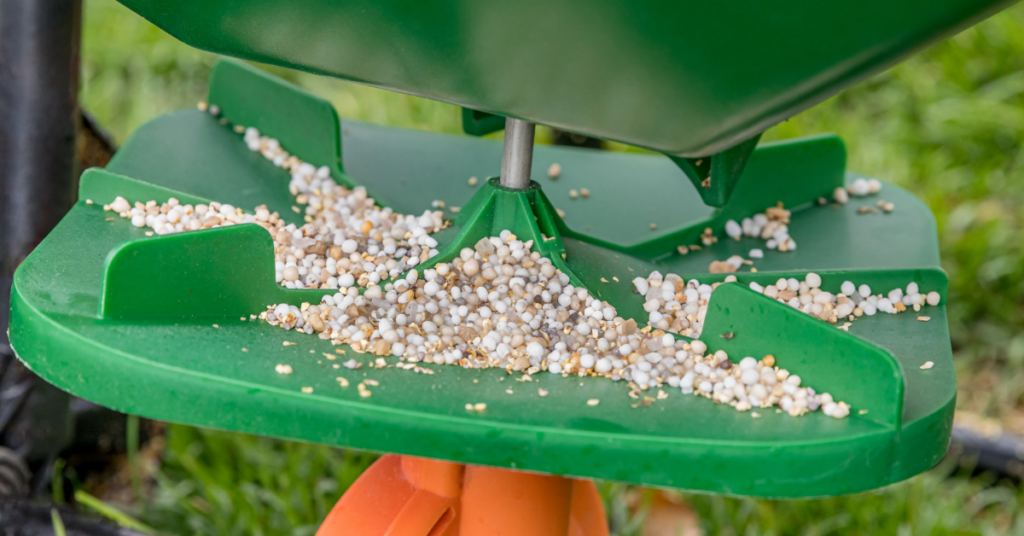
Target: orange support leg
{"x":406,"y":496}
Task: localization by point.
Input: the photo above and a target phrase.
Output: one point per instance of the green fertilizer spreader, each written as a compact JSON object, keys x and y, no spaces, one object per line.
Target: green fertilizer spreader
{"x":112,"y":315}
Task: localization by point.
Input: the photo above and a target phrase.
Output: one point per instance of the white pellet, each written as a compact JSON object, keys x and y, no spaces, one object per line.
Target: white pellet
{"x":733,"y":229}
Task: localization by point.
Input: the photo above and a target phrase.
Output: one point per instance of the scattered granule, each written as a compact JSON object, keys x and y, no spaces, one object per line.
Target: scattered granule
{"x":721,"y":267}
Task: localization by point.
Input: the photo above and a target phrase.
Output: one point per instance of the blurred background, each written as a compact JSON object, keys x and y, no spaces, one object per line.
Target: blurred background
{"x":947,"y":124}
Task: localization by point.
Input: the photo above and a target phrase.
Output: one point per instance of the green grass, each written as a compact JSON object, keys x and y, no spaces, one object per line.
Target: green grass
{"x":218,"y":483}
{"x":948,"y":124}
{"x":224,"y":484}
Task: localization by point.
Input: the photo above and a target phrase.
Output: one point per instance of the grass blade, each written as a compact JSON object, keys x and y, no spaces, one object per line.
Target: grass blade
{"x":112,"y":513}
{"x":58,"y":523}
{"x":132,"y":441}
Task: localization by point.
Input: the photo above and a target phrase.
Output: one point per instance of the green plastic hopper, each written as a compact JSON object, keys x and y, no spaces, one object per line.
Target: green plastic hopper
{"x":687,"y":78}
{"x":159,"y":325}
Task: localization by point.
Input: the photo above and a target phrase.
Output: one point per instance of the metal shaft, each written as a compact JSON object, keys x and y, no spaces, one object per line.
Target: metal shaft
{"x":38,"y":111}
{"x":39,"y":42}
{"x":518,"y":155}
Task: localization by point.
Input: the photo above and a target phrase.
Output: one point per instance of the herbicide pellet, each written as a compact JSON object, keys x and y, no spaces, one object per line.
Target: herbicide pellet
{"x":499,"y":304}
{"x":679,"y":306}
{"x":347,"y":240}
{"x":772,"y":226}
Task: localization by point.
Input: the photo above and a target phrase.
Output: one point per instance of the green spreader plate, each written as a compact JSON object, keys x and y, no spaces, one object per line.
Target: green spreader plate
{"x":127,"y":321}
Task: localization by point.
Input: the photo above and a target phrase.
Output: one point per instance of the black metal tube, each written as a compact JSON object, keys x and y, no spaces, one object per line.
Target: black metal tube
{"x":39,"y":41}
{"x":1000,"y":453}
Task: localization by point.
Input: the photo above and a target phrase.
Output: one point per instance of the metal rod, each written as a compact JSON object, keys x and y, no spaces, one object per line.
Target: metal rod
{"x":38,"y":113}
{"x":518,"y":156}
{"x":39,"y":42}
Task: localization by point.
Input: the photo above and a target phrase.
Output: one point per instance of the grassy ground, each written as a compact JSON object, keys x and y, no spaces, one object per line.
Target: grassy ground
{"x":948,"y":124}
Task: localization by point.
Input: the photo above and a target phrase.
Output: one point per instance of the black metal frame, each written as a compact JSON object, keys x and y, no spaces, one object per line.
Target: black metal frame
{"x":39,"y":44}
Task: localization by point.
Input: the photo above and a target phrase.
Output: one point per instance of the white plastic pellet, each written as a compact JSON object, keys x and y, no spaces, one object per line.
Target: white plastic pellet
{"x":733,"y":229}
{"x":840,"y":195}
{"x":828,"y":408}
{"x":860,"y":187}
{"x":841,"y":410}
{"x":885,"y":305}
